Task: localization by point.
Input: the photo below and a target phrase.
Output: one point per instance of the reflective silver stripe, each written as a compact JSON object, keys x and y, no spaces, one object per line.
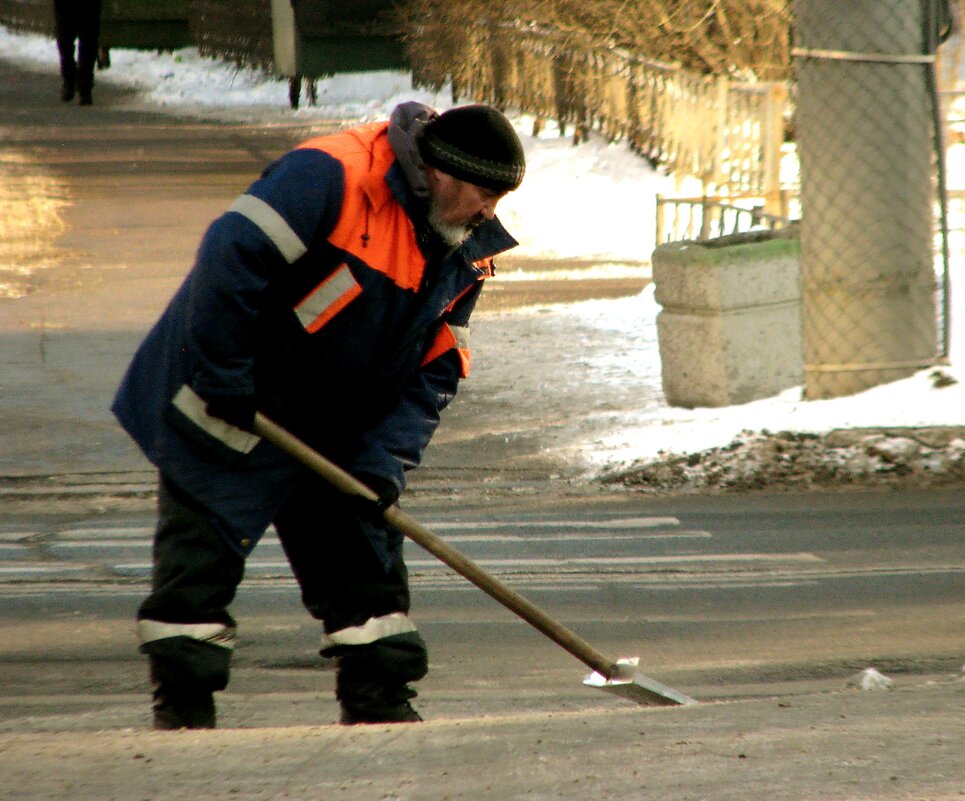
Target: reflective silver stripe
{"x":190,"y":404}
{"x":375,"y":628}
{"x":214,"y":633}
{"x":325,"y":295}
{"x":461,"y":333}
{"x":272,"y":224}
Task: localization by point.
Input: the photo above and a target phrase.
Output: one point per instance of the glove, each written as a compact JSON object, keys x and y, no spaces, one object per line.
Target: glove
{"x":385,"y":540}
{"x":387,"y":493}
{"x":238,"y":410}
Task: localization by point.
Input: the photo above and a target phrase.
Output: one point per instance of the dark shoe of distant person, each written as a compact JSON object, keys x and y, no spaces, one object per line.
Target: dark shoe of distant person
{"x":183,"y":710}
{"x":67,"y":92}
{"x":86,"y":99}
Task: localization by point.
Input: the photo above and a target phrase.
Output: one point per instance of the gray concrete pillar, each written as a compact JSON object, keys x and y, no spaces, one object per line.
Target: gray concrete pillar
{"x":864,"y":138}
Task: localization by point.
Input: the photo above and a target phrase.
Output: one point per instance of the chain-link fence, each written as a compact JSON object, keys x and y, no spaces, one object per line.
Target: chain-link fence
{"x":874,"y":293}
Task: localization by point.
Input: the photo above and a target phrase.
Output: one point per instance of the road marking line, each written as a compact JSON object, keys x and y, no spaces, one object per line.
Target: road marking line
{"x":603,"y":537}
{"x":41,"y":568}
{"x":522,"y":564}
{"x":17,"y":536}
{"x":615,"y":524}
{"x":637,"y":560}
{"x":108,"y":533}
{"x":273,"y":541}
{"x":611,"y":523}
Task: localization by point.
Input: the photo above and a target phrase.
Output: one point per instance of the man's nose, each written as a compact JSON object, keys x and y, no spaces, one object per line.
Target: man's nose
{"x":488,"y":209}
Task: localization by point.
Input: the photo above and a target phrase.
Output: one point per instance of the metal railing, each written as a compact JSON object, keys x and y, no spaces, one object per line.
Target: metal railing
{"x":701,"y":218}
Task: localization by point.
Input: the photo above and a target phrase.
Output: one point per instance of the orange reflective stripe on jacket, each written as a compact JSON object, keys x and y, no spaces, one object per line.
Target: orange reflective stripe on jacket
{"x":449,"y":337}
{"x":455,"y":336}
{"x":328,"y":299}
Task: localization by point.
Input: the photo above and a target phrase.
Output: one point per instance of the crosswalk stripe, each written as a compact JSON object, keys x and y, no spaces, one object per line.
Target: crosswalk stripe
{"x":605,"y":537}
{"x":454,"y":538}
{"x":611,"y":523}
{"x":524,"y":564}
{"x":92,"y":533}
{"x":614,"y":524}
{"x":21,"y":568}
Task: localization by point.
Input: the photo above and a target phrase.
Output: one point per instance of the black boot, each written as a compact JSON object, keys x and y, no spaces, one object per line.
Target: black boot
{"x":67,"y":92}
{"x":370,"y":703}
{"x":179,"y":708}
{"x":180,"y":700}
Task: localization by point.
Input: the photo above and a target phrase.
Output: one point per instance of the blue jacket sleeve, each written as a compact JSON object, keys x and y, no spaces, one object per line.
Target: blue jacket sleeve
{"x":293,"y":204}
{"x":397,"y":443}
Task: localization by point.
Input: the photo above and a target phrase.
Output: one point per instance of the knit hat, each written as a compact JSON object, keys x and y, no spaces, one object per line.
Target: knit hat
{"x":475,"y":144}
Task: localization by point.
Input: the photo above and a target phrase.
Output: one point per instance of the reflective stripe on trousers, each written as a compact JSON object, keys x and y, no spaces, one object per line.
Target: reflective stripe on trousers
{"x":211,"y":633}
{"x":374,"y":629}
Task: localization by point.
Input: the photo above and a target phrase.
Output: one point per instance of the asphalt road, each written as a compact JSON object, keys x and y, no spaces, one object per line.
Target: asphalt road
{"x":720,"y":597}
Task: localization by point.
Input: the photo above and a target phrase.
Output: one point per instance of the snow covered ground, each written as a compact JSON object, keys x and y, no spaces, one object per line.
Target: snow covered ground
{"x":588,"y":203}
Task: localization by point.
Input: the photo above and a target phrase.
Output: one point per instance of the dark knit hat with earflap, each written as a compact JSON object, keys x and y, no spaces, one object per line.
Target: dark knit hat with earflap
{"x":475,"y":144}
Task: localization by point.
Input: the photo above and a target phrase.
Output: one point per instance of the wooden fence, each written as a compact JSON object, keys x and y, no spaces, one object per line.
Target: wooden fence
{"x":726,"y":133}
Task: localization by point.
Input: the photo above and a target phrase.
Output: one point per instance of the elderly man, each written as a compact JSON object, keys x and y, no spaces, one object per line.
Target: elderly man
{"x":334,"y":296}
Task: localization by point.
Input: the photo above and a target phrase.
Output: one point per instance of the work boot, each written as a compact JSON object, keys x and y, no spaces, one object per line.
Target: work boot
{"x":183,"y":709}
{"x":373,"y":704}
{"x":400,"y":713}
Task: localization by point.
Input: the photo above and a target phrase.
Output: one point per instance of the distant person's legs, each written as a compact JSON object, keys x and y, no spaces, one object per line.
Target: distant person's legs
{"x":65,"y":18}
{"x":88,"y":32}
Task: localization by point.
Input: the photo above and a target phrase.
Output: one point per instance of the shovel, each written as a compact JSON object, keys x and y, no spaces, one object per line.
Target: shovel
{"x":619,"y":677}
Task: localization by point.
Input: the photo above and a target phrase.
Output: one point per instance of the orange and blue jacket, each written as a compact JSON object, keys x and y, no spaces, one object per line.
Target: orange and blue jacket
{"x":320,"y":292}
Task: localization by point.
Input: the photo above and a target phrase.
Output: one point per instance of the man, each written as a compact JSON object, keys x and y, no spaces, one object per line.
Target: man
{"x":334,"y":296}
{"x":77,"y":21}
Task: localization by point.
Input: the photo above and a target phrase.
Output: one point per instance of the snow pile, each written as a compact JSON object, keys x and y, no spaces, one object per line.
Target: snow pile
{"x":794,"y":460}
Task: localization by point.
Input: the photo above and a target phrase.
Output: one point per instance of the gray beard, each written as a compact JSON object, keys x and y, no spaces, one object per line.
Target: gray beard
{"x":452,"y":235}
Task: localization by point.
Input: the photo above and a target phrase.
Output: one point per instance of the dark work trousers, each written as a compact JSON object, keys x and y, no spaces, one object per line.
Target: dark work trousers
{"x":188,"y":633}
{"x":77,"y":21}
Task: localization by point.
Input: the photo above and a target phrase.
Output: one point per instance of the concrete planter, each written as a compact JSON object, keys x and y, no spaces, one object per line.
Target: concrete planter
{"x":730,"y":327}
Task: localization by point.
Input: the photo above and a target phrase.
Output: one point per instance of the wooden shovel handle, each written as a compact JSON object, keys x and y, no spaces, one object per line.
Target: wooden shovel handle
{"x":419,"y":534}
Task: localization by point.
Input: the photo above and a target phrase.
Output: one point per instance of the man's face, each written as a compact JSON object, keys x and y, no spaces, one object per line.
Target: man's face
{"x":456,"y":207}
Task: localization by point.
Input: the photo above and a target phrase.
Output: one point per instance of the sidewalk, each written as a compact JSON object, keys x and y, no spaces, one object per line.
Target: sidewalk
{"x":844,"y":744}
